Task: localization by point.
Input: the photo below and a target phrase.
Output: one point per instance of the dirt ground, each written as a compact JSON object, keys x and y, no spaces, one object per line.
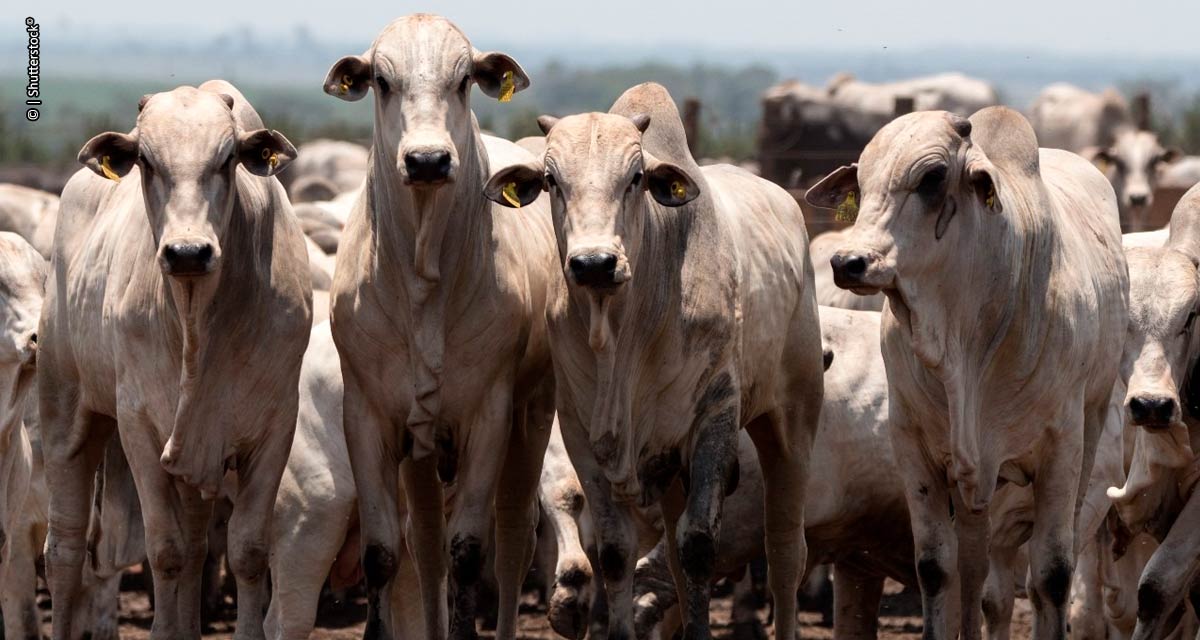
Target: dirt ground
{"x":899,"y":619}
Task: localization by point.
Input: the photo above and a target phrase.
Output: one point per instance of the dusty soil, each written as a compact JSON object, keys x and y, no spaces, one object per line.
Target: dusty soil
{"x":899,"y":619}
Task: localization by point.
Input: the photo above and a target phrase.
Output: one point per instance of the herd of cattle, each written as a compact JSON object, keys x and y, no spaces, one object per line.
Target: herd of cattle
{"x":589,"y":351}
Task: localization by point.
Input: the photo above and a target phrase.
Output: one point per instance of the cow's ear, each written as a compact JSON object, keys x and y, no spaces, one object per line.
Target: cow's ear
{"x":265,"y":152}
{"x":832,"y":190}
{"x":110,"y":155}
{"x":1102,"y":157}
{"x":349,"y":78}
{"x":983,"y":180}
{"x":1170,"y":154}
{"x":668,"y":184}
{"x":516,"y":186}
{"x":498,"y":75}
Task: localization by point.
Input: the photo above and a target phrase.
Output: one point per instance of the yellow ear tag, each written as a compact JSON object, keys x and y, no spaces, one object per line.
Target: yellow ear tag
{"x":510,"y":194}
{"x":273,"y":161}
{"x":507,"y":86}
{"x":107,"y":169}
{"x":678,"y":190}
{"x":847,"y":211}
{"x":991,"y":198}
{"x":346,"y":83}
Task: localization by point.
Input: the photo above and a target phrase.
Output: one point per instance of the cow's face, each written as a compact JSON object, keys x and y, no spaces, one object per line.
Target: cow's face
{"x":1132,"y":164}
{"x":598,"y":177}
{"x":187,"y":147}
{"x":1164,"y":297}
{"x":22,"y":280}
{"x":914,"y":184}
{"x":422,"y":68}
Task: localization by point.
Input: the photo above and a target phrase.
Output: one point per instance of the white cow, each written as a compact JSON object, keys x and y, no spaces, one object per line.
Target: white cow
{"x":30,"y":213}
{"x":325,"y":168}
{"x":177,"y":312}
{"x":822,"y":248}
{"x":996,"y":259}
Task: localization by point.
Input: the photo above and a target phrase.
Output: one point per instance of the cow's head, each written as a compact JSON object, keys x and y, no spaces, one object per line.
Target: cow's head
{"x":598,"y":177}
{"x":918,"y":187}
{"x":1132,"y":164}
{"x":187,"y":147}
{"x":22,"y":282}
{"x":422,"y":68}
{"x":1164,"y":298}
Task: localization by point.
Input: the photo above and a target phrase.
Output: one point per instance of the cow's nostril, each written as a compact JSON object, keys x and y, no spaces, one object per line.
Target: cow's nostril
{"x":188,"y":259}
{"x":33,"y":338}
{"x":427,"y":166}
{"x":594,"y":270}
{"x":855,"y":266}
{"x":1151,"y":411}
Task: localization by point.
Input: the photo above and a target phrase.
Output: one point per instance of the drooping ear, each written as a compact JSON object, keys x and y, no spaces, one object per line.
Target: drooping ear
{"x":516,"y":186}
{"x":498,"y":75}
{"x":983,"y":180}
{"x":546,"y":123}
{"x":641,"y":121}
{"x":349,"y":78}
{"x":832,"y":190}
{"x":110,"y":155}
{"x":668,"y":184}
{"x":265,"y":152}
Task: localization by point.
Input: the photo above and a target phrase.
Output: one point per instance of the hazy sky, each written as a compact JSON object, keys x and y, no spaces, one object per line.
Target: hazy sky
{"x":1144,"y":28}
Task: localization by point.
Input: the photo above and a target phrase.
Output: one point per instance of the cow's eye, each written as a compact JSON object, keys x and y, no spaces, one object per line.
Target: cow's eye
{"x":462,"y":86}
{"x":931,"y":183}
{"x":383,"y":85}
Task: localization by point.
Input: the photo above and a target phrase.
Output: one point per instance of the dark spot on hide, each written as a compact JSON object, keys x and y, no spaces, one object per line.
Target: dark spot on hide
{"x":924,"y":490}
{"x":1151,"y":601}
{"x":827,"y":357}
{"x":612,"y":562}
{"x":447,"y":466}
{"x":466,"y":559}
{"x":605,"y":449}
{"x":379,"y":565}
{"x":719,"y":390}
{"x":657,"y":473}
{"x":1057,"y":582}
{"x":698,"y":554}
{"x":931,"y":576}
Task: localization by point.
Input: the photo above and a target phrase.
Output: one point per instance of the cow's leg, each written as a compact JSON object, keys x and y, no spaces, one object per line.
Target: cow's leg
{"x":713,"y":460}
{"x":1087,"y":620}
{"x":100,"y":618}
{"x":374,"y":451}
{"x":259,"y":473}
{"x":69,"y":479}
{"x":615,"y":532}
{"x":746,"y":625}
{"x":934,"y":539}
{"x":655,"y":584}
{"x":783,"y":440}
{"x":856,"y":597}
{"x":517,"y":508}
{"x":998,"y":592}
{"x":425,"y":536}
{"x":972,"y":530}
{"x":1170,"y":574}
{"x":570,"y":601}
{"x":176,"y":526}
{"x":307,"y":540}
{"x":18,"y":600}
{"x":1052,"y":545}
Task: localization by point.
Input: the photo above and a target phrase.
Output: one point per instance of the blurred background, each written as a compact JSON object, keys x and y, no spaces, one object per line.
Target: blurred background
{"x":98,"y":58}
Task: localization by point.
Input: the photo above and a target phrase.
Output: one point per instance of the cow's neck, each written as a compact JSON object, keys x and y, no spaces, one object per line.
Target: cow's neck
{"x":427,"y":245}
{"x":622,"y":328}
{"x":975,"y":338}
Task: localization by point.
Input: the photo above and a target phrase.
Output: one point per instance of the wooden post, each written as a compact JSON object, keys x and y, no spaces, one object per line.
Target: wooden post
{"x":904,"y":105}
{"x":1141,"y":111}
{"x":691,"y":123}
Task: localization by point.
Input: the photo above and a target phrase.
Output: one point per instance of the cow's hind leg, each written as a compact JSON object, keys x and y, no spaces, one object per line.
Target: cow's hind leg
{"x":18,"y":600}
{"x":783,"y":440}
{"x":249,"y":547}
{"x":856,"y":597}
{"x":1052,"y":544}
{"x":1170,"y":574}
{"x":999,"y":592}
{"x":70,"y":477}
{"x":517,"y":508}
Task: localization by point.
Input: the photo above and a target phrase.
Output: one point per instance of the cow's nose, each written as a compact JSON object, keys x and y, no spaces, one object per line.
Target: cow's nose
{"x":1139,"y":199}
{"x":427,"y":167}
{"x":1151,"y":411}
{"x":188,"y":259}
{"x":848,"y":268}
{"x":594,"y":270}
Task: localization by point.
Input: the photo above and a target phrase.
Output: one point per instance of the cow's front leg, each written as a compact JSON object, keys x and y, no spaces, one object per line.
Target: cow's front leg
{"x":783,"y":440}
{"x":176,"y":521}
{"x":469,"y":532}
{"x":374,"y":450}
{"x":712,"y":465}
{"x":1052,"y":544}
{"x":425,"y":538}
{"x":616,"y":534}
{"x":856,"y":597}
{"x":517,"y":508}
{"x":249,"y":549}
{"x":999,"y":590}
{"x":934,"y":539}
{"x":972,"y":530}
{"x":1170,"y":575}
